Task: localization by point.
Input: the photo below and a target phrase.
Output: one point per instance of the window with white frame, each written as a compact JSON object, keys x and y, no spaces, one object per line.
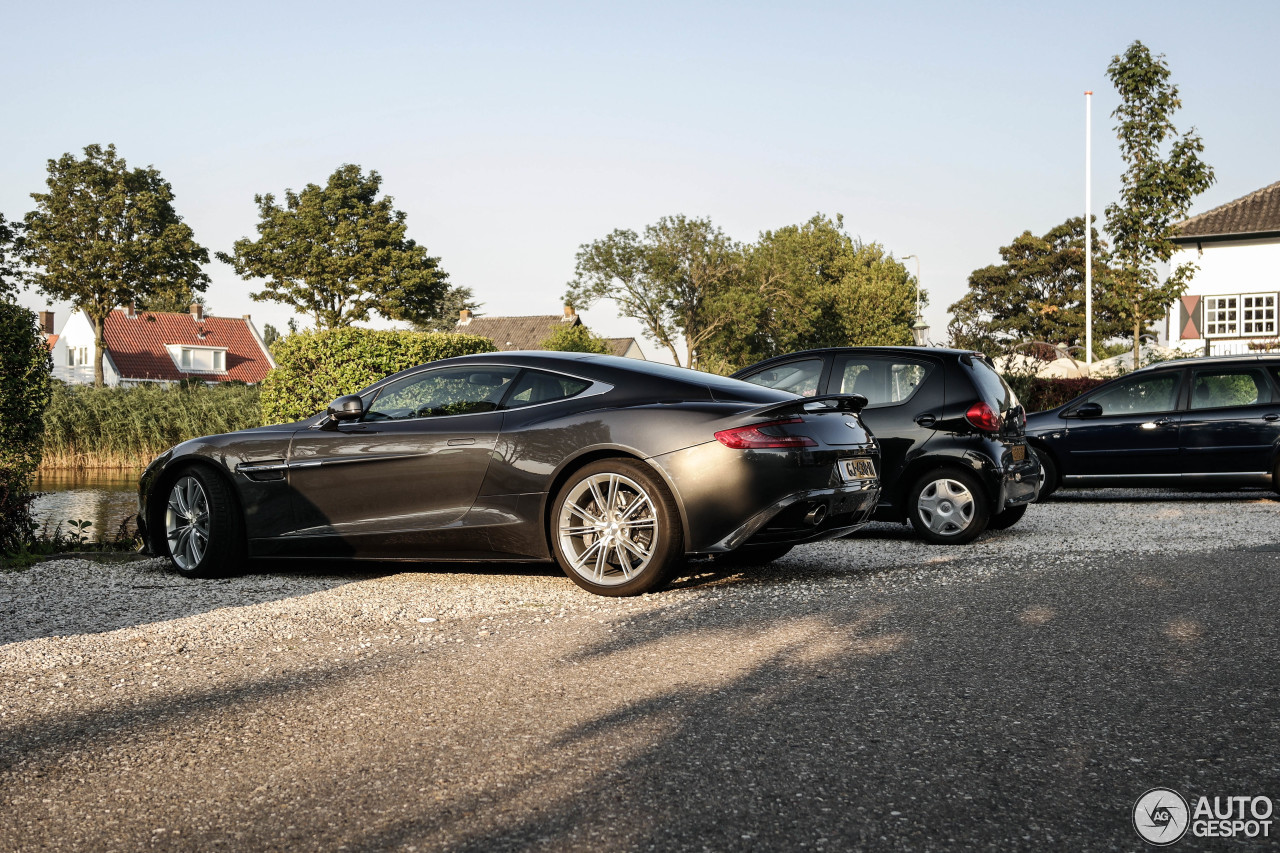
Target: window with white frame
{"x":1257,"y":314}
{"x":198,"y":359}
{"x":1220,"y":316}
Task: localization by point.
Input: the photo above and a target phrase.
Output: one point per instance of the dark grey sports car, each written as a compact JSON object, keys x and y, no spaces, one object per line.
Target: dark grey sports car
{"x":615,"y":468}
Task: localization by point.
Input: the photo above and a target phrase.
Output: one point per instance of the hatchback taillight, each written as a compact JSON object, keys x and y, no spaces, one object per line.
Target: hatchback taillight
{"x":982,"y":417}
{"x":754,"y":438}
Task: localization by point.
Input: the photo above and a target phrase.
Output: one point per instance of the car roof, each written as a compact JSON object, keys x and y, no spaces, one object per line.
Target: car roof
{"x":1197,"y":360}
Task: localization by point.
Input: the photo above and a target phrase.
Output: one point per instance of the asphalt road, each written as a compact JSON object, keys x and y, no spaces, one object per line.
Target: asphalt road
{"x":1004,"y":697}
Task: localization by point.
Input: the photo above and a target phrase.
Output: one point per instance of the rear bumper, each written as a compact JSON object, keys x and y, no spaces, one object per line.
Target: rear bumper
{"x":1018,"y":483}
{"x":809,"y":516}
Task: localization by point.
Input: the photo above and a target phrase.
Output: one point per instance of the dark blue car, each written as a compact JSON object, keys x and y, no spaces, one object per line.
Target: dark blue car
{"x":1195,"y":422}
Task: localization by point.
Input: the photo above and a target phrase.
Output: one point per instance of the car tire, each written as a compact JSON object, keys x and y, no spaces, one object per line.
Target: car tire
{"x":615,"y":528}
{"x":201,"y":529}
{"x":753,"y":555}
{"x":947,"y":506}
{"x":1050,"y":484}
{"x":1008,"y":518}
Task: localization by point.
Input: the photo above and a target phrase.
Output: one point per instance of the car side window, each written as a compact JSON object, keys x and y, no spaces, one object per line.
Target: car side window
{"x":1226,"y":387}
{"x":448,"y":391}
{"x":884,"y":382}
{"x":1139,"y":395}
{"x":798,"y":377}
{"x":535,"y":386}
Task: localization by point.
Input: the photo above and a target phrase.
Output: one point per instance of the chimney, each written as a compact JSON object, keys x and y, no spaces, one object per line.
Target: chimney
{"x":464,"y":317}
{"x":46,"y":322}
{"x":569,"y":314}
{"x":131,"y":310}
{"x":197,"y":311}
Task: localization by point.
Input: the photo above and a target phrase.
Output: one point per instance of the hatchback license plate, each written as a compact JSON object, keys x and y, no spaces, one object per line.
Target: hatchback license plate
{"x":1019,"y":452}
{"x":857,"y":469}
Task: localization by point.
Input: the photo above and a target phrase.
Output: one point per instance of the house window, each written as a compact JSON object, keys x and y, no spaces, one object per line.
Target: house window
{"x":198,"y":359}
{"x":1220,"y":316}
{"x":1258,"y":314}
{"x":186,"y":358}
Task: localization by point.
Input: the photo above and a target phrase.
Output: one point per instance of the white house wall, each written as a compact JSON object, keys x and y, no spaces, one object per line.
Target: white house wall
{"x":78,"y":332}
{"x":1226,"y":268}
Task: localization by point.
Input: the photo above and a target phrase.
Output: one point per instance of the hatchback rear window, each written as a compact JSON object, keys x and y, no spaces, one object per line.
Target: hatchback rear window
{"x":995,"y":392}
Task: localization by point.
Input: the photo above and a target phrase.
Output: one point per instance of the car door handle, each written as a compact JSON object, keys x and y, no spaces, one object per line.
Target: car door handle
{"x":458,"y":442}
{"x":1161,"y":422}
{"x":1271,"y":417}
{"x":926,"y":420}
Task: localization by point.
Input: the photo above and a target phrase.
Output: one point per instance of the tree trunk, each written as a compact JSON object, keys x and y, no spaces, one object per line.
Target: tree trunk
{"x":1137,"y":340}
{"x":99,"y":348}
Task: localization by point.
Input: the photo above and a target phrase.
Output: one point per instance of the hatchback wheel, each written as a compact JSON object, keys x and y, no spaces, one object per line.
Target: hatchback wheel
{"x":616,"y":529}
{"x":202,"y":527}
{"x":1008,"y":518}
{"x":948,"y":507}
{"x":1050,"y":483}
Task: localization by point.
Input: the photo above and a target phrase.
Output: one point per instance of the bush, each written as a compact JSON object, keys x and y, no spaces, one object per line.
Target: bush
{"x":1038,"y":394}
{"x":576,"y":339}
{"x":25,"y":368}
{"x":313,"y":368}
{"x":87,"y":427}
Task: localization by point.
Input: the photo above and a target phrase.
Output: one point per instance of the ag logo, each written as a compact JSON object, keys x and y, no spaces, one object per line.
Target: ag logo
{"x":1161,"y":816}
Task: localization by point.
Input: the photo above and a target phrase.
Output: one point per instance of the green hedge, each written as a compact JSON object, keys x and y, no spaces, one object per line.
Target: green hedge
{"x":88,"y":427}
{"x":313,"y":368}
{"x":1039,"y":394}
{"x":25,"y":367}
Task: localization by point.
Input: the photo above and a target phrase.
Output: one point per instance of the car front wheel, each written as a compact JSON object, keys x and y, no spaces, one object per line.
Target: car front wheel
{"x":203,"y":532}
{"x":1008,"y":518}
{"x":616,"y":529}
{"x":947,"y":507}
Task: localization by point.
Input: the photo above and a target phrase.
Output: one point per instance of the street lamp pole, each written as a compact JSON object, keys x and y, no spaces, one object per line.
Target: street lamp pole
{"x":919,"y":329}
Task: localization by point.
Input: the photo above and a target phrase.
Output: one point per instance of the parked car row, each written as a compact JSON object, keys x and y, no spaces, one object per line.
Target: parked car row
{"x":620,"y":470}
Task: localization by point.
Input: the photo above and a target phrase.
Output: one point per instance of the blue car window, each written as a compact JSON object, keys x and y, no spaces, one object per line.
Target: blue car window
{"x":1227,"y":387}
{"x":1139,"y":395}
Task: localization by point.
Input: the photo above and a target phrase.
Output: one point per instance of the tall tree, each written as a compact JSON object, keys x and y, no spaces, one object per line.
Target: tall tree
{"x":105,"y":235}
{"x":666,"y":280}
{"x":338,"y":253}
{"x":1037,"y":294}
{"x":1156,"y":192}
{"x":811,"y":285}
{"x":10,"y":275}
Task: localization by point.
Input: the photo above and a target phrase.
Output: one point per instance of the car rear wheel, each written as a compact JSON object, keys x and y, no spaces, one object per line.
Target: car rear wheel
{"x":203,"y":531}
{"x":616,"y":529}
{"x":1008,"y":518}
{"x":947,"y":507}
{"x":1050,"y":484}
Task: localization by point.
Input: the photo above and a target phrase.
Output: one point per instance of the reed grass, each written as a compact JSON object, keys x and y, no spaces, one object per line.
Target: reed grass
{"x":123,"y":428}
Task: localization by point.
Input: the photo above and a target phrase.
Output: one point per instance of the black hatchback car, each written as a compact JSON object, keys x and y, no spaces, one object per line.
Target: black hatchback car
{"x":954,"y":459}
{"x":1195,"y":422}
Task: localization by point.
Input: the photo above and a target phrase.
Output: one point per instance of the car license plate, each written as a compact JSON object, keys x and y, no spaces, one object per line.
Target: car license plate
{"x":1019,"y":452}
{"x":857,"y":469}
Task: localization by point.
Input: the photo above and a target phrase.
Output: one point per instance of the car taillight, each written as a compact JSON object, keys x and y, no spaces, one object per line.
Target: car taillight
{"x":753,"y":438}
{"x":981,"y":416}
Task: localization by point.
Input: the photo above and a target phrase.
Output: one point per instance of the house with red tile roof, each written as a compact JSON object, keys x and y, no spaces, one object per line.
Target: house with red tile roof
{"x":1233,"y":302}
{"x":152,"y":346}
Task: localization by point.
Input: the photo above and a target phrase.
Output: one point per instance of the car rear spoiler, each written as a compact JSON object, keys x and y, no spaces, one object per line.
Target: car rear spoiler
{"x":826,"y":403}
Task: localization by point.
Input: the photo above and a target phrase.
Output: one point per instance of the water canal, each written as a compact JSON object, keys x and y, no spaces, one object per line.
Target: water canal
{"x":103,"y":498}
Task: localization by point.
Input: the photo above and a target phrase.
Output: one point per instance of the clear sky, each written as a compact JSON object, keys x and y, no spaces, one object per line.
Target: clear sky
{"x":512,"y":133}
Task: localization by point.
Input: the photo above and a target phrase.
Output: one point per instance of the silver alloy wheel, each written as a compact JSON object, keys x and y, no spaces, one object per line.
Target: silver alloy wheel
{"x":608,"y":529}
{"x":186,"y":522}
{"x":946,"y":506}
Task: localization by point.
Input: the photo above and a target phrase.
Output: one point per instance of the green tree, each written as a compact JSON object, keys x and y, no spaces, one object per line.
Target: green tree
{"x":1037,"y":294}
{"x":1156,"y":192}
{"x":176,"y":301}
{"x":105,"y":235}
{"x":576,"y":338}
{"x":445,"y":319}
{"x":270,"y":334}
{"x":338,"y":253}
{"x":10,"y":274}
{"x":25,"y":368}
{"x":666,"y":280}
{"x":810,"y":285}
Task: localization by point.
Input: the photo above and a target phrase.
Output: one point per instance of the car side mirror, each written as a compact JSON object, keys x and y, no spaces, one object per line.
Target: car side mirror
{"x":1089,"y":410}
{"x":346,"y":408}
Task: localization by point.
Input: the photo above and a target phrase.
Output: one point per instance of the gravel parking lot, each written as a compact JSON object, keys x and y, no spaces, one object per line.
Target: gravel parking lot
{"x":869,"y":693}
